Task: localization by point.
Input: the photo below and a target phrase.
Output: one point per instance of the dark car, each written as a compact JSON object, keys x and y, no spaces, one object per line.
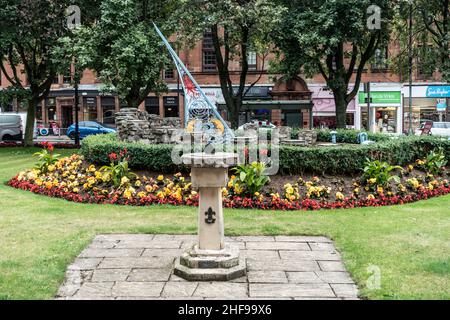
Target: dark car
{"x":88,"y":128}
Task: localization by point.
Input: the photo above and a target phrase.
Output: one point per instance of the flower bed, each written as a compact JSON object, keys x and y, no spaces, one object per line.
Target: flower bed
{"x":73,"y":179}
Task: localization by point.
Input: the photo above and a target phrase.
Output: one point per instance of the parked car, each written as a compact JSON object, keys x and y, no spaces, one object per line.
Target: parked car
{"x":438,"y":129}
{"x":11,"y":128}
{"x":88,"y":128}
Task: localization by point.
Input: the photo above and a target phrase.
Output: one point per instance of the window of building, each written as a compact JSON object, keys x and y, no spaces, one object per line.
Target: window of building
{"x":381,"y":59}
{"x":252,"y":59}
{"x":67,"y":78}
{"x":209,"y":55}
{"x":152,"y":105}
{"x":169,"y":74}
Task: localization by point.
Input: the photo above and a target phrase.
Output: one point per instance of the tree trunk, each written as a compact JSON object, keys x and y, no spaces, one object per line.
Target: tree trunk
{"x":29,"y":126}
{"x":341,"y":109}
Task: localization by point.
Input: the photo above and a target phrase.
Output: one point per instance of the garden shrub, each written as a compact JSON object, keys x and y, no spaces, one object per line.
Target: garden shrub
{"x":347,"y":159}
{"x":344,"y":135}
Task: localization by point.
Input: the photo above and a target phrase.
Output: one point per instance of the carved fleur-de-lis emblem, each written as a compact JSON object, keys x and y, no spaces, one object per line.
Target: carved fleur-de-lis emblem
{"x":210,"y":216}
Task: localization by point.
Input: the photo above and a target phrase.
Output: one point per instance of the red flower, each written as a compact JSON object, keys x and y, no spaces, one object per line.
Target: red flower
{"x":112,"y":157}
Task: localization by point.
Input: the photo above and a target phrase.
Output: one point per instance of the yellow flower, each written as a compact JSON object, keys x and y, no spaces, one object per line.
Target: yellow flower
{"x":160,"y":178}
{"x":38,"y":182}
{"x":257,"y":194}
{"x":372,"y":181}
{"x":148,"y":188}
{"x":410,"y":167}
{"x":49,"y":185}
{"x":98,"y":175}
{"x":142,"y":194}
{"x":76,"y":190}
{"x":225,"y":192}
{"x":129,"y":192}
{"x":85,"y":186}
{"x":138,"y":183}
{"x":72,"y":177}
{"x":238,"y":189}
{"x":356,"y":190}
{"x":340,"y":196}
{"x":161,"y":195}
{"x":91,"y":168}
{"x":51,"y":168}
{"x":370,"y":197}
{"x":194,"y":193}
{"x":380,"y":190}
{"x":124,"y":180}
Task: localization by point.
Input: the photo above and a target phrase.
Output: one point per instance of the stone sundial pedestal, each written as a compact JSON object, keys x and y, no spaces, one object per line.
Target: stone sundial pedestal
{"x":211,"y":259}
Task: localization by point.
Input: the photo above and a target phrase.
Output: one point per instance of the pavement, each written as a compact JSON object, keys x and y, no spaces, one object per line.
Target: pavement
{"x":140,"y":267}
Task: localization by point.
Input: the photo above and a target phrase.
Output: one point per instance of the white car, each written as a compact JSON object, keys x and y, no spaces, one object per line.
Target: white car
{"x":438,"y":129}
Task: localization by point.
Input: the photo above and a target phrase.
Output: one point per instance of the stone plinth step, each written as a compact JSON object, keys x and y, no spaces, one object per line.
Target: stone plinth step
{"x":216,"y":274}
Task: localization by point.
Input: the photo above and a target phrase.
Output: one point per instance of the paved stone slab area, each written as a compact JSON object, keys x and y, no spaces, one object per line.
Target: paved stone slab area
{"x":122,"y":266}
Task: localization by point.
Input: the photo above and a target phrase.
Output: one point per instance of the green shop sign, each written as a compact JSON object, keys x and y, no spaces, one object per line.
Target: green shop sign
{"x":381,"y":97}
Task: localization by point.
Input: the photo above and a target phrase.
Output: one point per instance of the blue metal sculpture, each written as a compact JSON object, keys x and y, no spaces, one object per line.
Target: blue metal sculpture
{"x":200,"y":114}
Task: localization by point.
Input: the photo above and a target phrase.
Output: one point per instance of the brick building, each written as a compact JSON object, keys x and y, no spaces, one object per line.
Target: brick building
{"x":388,"y":112}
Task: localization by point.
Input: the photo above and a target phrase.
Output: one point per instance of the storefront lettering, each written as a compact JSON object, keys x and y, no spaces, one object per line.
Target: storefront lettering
{"x":438,"y":92}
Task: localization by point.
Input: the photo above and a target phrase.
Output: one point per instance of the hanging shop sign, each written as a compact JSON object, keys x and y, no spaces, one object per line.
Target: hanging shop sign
{"x":441,"y":106}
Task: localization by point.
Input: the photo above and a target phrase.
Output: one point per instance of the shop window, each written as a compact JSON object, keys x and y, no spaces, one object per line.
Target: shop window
{"x":109,"y":110}
{"x":209,"y":55}
{"x":386,"y":120}
{"x":152,"y":105}
{"x":90,"y":109}
{"x":350,"y":119}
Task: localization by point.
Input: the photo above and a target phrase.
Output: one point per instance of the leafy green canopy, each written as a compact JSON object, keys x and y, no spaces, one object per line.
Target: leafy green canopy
{"x":124,"y":49}
{"x":330,"y":37}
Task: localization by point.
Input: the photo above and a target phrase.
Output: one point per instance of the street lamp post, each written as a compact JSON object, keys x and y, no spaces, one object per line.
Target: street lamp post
{"x":410,"y":54}
{"x":77,"y":124}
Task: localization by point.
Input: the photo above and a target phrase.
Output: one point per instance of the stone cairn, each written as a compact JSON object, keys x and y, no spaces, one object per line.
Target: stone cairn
{"x":134,"y":125}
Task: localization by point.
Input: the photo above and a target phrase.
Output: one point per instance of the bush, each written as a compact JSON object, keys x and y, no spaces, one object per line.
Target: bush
{"x":344,"y":135}
{"x":352,"y":159}
{"x":96,"y":149}
{"x":293,"y":160}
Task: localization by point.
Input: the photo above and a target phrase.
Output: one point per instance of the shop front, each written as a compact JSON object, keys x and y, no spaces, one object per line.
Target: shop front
{"x":384,"y":113}
{"x":324,"y":110}
{"x":429,"y":103}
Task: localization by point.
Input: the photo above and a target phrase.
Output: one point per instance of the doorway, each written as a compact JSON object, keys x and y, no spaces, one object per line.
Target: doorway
{"x":66,"y":116}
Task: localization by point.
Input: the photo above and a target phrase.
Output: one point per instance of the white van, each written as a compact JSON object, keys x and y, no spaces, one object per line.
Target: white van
{"x":11,"y":128}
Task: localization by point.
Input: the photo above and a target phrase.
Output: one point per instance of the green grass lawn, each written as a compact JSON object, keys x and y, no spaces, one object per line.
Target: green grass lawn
{"x":40,"y":236}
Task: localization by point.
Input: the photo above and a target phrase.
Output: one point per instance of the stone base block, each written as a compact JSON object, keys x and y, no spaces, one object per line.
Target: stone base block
{"x":210,"y":259}
{"x":217,"y":274}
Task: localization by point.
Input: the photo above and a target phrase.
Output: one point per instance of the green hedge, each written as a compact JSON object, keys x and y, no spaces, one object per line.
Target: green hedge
{"x":344,"y":135}
{"x":351,"y":159}
{"x":143,"y":156}
{"x":293,"y":160}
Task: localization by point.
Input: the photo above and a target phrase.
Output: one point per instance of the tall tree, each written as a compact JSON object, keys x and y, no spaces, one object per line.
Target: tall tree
{"x":124,"y":49}
{"x":333,"y":38}
{"x":433,"y":19}
{"x":237,"y":27}
{"x":29,"y":31}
